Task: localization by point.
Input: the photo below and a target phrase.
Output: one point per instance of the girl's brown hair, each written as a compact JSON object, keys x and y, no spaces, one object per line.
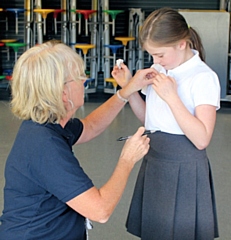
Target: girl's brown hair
{"x":166,"y":26}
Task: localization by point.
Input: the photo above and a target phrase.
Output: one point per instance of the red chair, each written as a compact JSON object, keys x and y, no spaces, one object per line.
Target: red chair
{"x":86,"y":14}
{"x":55,"y":15}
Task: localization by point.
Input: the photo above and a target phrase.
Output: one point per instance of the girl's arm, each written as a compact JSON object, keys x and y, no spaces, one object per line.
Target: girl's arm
{"x":198,"y":128}
{"x":138,"y":106}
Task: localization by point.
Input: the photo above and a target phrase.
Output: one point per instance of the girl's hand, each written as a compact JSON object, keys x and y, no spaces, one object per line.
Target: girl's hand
{"x":122,"y":75}
{"x":165,"y":86}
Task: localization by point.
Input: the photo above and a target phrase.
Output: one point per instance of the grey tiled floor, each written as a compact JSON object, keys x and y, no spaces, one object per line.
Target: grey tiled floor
{"x":99,"y":157}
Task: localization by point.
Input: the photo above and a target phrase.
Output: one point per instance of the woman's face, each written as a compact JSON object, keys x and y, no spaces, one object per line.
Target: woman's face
{"x":168,"y":57}
{"x":75,"y":93}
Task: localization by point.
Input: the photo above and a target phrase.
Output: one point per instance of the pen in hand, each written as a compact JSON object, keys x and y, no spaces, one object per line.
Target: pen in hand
{"x":127,"y":137}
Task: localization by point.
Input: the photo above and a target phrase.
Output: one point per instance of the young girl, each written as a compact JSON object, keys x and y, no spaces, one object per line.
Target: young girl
{"x":173,"y":197}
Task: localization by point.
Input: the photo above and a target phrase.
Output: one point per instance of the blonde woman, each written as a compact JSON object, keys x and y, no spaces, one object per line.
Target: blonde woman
{"x":47,"y":194}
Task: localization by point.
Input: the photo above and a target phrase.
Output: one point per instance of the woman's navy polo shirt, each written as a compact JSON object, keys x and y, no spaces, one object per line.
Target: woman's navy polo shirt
{"x":41,"y":175}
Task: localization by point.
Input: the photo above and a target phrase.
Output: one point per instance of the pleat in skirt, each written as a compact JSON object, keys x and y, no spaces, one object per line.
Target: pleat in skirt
{"x":174,"y":196}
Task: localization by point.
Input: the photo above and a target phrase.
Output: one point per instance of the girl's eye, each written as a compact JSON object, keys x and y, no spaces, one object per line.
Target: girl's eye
{"x":157,"y":56}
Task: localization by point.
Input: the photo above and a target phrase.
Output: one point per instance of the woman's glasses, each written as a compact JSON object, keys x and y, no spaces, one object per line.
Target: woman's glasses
{"x":82,"y":78}
{"x":69,"y":81}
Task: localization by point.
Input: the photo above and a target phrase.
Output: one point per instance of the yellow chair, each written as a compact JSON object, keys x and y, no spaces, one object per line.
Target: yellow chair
{"x":7,"y":47}
{"x":85,"y":48}
{"x":44,"y":13}
{"x":125,"y":41}
{"x":113,"y":82}
{"x":90,"y":80}
{"x":8,"y":40}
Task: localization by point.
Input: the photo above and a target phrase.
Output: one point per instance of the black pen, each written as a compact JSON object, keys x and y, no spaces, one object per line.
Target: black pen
{"x":127,"y":137}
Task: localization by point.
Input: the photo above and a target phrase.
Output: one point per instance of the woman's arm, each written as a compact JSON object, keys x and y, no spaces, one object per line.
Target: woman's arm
{"x":97,"y":121}
{"x":98,"y":204}
{"x":124,"y":78}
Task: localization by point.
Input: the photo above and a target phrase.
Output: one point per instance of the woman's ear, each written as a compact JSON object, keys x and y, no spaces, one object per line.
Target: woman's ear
{"x":65,"y":95}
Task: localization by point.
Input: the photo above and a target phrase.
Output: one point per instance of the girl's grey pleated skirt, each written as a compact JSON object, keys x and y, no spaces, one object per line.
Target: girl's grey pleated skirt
{"x":174,"y":196}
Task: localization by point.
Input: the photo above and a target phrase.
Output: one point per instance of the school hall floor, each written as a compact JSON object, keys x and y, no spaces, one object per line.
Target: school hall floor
{"x":99,"y":157}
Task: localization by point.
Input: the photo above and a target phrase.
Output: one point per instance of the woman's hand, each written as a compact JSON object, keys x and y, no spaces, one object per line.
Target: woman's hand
{"x":122,"y":75}
{"x":141,"y":79}
{"x":104,"y":200}
{"x":135,"y":147}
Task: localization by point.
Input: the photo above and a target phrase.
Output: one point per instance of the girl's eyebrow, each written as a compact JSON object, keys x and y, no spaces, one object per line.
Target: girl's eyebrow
{"x":157,"y":53}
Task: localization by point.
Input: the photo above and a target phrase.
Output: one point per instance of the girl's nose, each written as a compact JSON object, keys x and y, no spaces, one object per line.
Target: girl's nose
{"x":156,"y":60}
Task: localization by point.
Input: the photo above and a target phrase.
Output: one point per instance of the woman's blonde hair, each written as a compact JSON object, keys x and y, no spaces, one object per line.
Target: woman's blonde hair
{"x":166,"y":26}
{"x":38,"y":81}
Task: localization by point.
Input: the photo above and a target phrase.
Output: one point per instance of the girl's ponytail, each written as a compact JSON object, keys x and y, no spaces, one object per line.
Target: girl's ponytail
{"x":196,"y":43}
